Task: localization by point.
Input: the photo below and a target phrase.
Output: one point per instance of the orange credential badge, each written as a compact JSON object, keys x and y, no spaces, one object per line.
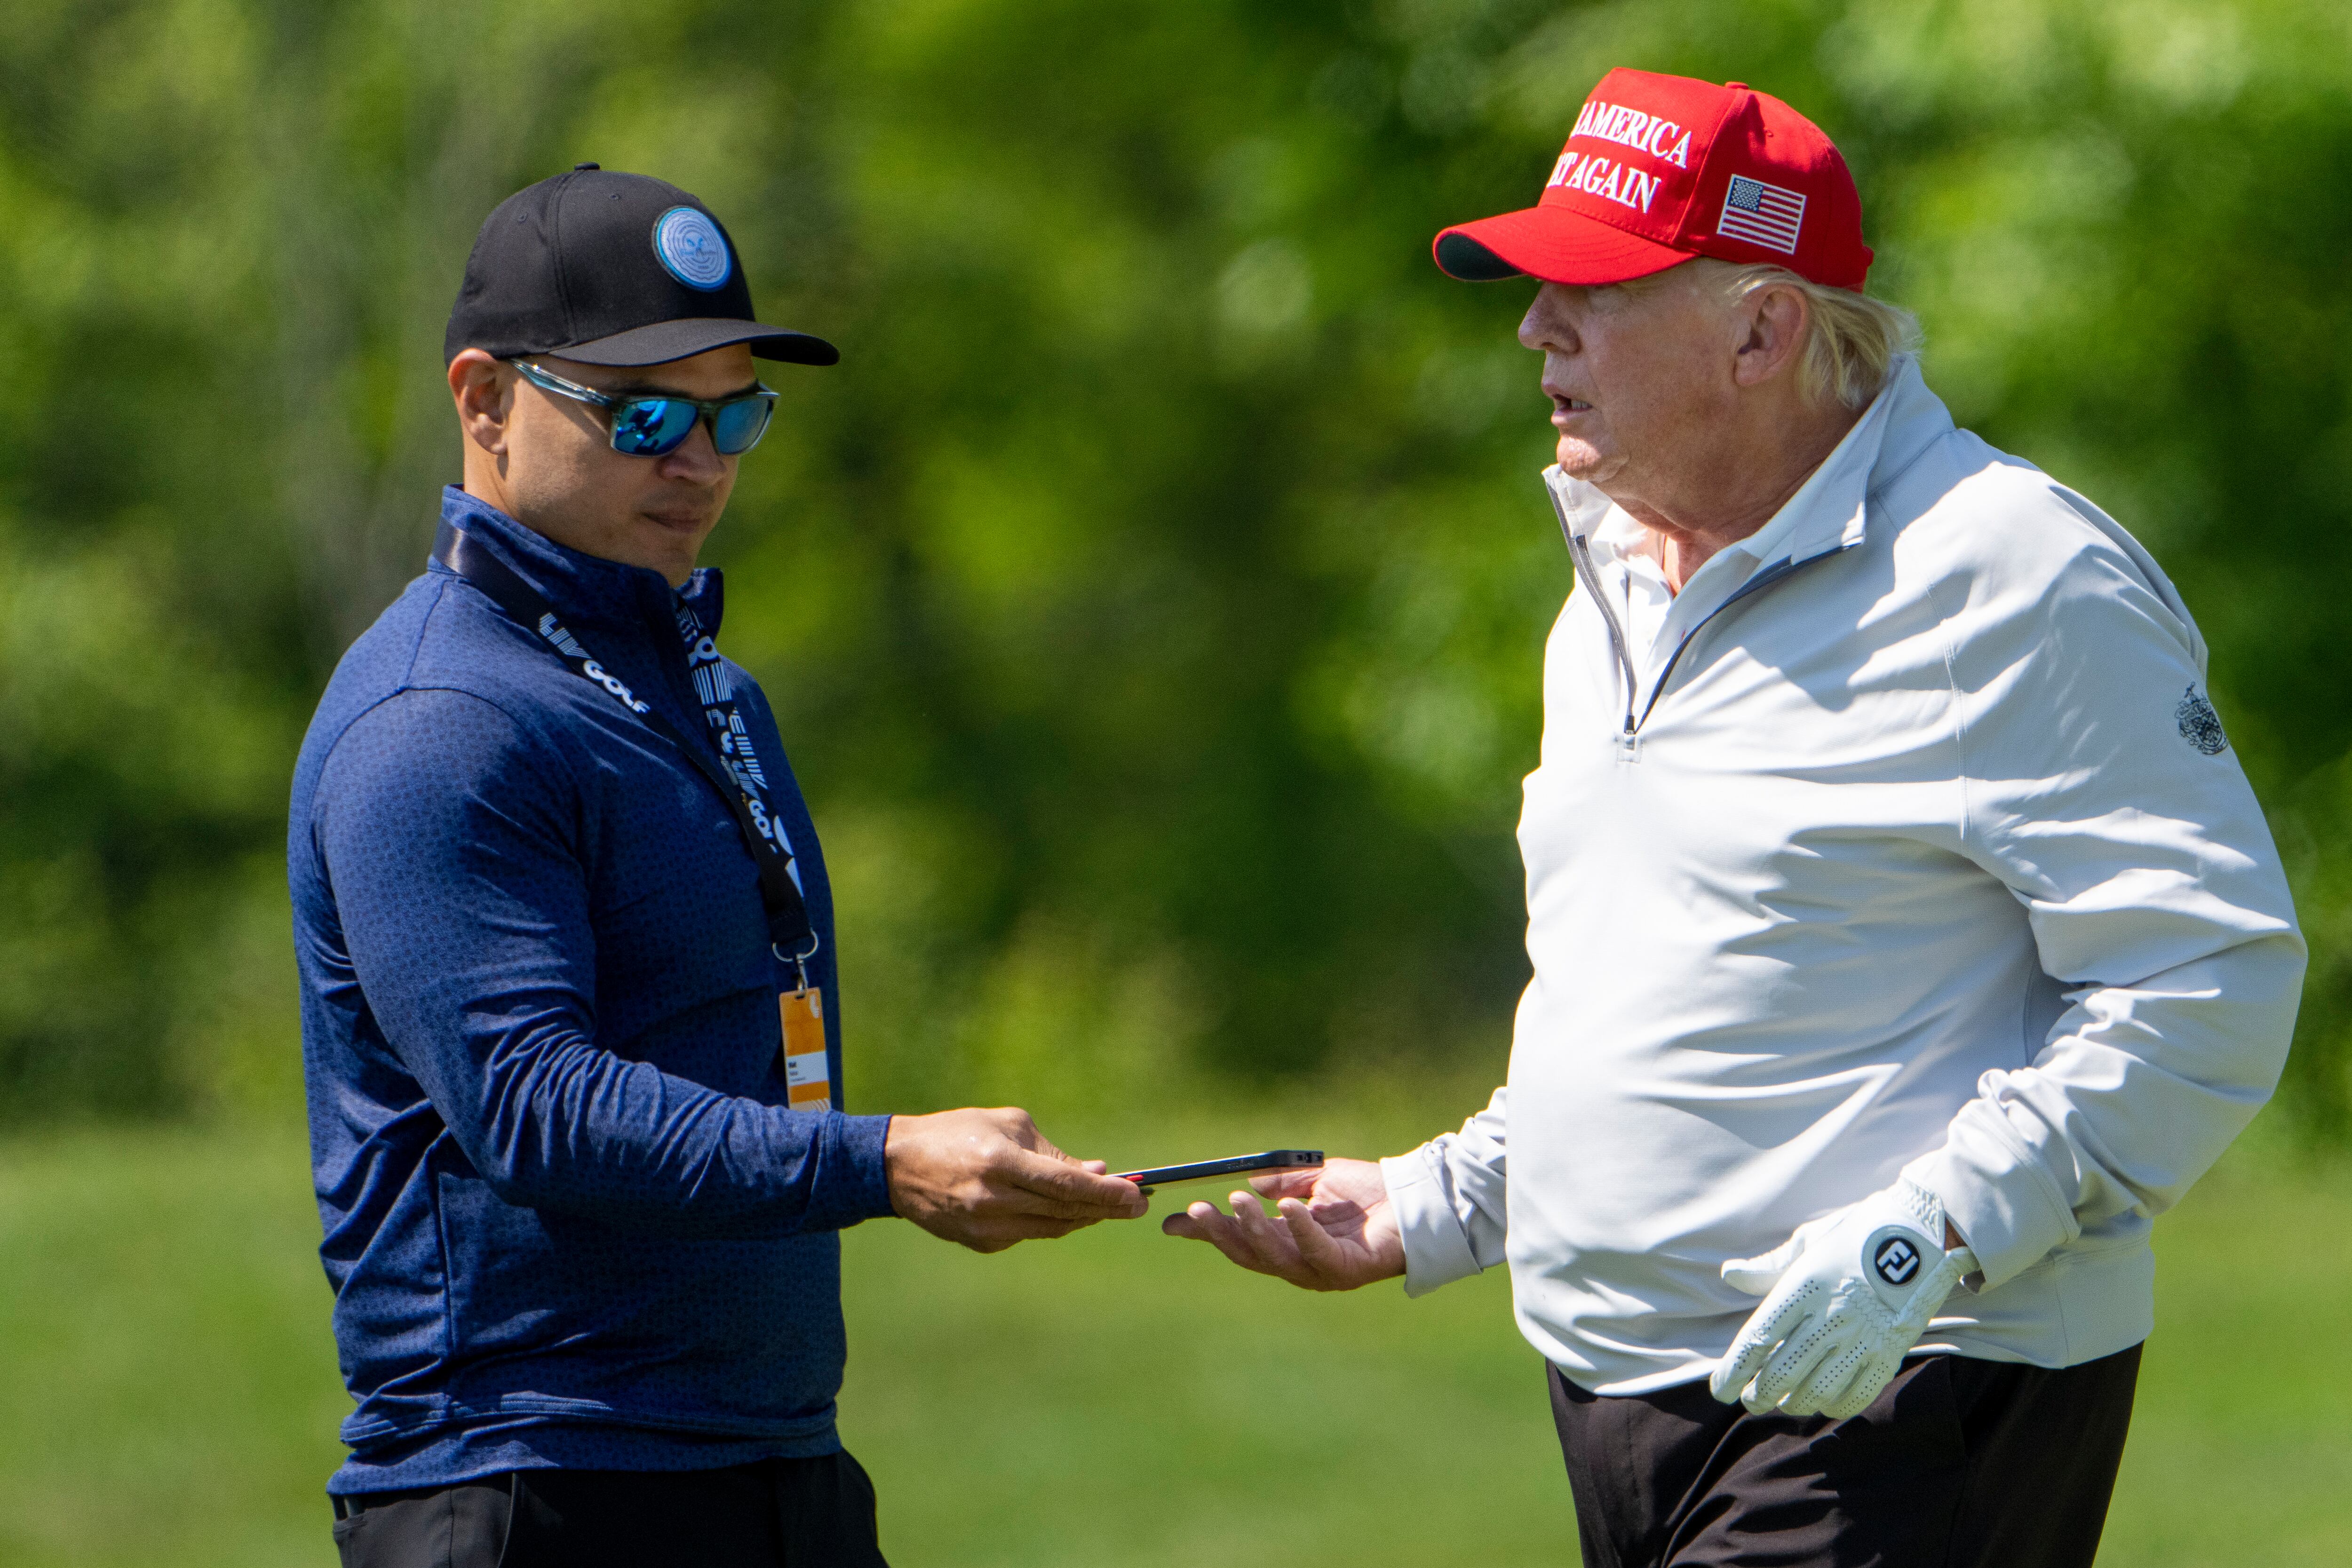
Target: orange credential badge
{"x":808,"y":1086}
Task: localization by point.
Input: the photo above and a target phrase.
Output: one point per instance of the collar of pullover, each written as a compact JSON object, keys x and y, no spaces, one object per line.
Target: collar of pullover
{"x":585,"y":590}
{"x":1828,"y":509}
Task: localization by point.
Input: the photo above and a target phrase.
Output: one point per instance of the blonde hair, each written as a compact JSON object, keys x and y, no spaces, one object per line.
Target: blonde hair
{"x":1851,"y":339}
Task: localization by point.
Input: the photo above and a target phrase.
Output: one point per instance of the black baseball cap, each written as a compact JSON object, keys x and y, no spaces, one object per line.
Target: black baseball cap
{"x":611,"y":269}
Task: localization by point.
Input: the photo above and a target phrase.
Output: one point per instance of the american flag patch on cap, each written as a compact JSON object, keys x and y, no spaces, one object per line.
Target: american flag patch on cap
{"x":1761,"y":214}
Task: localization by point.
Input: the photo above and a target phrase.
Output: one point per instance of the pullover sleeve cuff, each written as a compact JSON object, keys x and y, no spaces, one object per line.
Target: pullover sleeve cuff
{"x":1437,"y":1246}
{"x":859,"y":1184}
{"x":2006,"y":1207}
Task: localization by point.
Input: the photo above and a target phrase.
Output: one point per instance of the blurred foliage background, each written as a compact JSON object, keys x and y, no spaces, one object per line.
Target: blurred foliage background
{"x":1153,"y":598}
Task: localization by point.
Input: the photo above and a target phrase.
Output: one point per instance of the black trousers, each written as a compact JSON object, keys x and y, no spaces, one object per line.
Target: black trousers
{"x":776,"y":1513}
{"x":1958,"y":1464}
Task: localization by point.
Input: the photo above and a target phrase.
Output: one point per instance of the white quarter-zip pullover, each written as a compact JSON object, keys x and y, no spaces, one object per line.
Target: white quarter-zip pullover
{"x":1902,"y":841}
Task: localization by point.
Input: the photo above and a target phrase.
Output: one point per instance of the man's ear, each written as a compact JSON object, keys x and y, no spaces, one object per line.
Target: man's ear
{"x":1775,"y":319}
{"x":484,"y":391}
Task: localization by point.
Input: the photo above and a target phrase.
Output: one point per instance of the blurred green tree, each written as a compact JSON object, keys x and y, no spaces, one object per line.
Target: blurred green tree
{"x":1153,"y":598}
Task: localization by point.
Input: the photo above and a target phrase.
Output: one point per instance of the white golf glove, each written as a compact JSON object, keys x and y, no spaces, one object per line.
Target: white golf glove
{"x":1848,"y":1294}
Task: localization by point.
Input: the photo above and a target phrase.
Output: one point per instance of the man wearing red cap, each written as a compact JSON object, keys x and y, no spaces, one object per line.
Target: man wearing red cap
{"x":1904,"y":933}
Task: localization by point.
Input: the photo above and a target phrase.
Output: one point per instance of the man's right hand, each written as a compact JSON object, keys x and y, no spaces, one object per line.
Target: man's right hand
{"x":1337,"y":1229}
{"x":988,"y":1179}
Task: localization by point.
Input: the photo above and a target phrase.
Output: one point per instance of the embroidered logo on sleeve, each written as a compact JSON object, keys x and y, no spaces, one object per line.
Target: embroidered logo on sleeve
{"x":2199,"y":725}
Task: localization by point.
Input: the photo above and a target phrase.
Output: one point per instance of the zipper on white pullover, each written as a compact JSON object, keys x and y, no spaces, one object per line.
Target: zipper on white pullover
{"x":1629,"y":738}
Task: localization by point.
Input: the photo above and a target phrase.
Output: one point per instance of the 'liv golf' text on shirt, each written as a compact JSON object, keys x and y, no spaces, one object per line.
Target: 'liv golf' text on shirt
{"x":1598,"y":176}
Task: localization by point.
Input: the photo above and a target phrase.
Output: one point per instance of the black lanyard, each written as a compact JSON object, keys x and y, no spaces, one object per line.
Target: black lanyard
{"x":789,"y":927}
{"x":724,"y":716}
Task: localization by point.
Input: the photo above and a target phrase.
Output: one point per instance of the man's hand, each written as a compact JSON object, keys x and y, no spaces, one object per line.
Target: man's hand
{"x":1844,"y":1298}
{"x":988,"y":1179}
{"x":1337,"y":1229}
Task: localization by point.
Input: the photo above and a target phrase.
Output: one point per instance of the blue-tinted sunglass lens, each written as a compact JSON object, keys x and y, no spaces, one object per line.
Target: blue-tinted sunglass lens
{"x":739,"y":425}
{"x":648,"y":427}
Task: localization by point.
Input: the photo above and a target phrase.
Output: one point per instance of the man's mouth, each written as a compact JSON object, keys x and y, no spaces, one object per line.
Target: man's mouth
{"x":1570,"y":405}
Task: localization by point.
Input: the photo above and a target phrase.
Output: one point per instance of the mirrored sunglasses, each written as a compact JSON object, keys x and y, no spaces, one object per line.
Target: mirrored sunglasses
{"x":650,"y":426}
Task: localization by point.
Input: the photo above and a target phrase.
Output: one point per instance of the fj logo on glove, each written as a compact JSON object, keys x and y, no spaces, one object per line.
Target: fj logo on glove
{"x":1896,"y":1260}
{"x":1844,"y":1298}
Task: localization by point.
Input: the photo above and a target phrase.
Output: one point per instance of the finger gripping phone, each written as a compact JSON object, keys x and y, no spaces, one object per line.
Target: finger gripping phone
{"x":1236,"y":1165}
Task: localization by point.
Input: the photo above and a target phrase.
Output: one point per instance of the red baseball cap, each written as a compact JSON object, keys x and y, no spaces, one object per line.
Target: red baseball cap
{"x":1662,"y":168}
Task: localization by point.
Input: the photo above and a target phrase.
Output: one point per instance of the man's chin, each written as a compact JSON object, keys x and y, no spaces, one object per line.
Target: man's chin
{"x":1576,"y":459}
{"x":667,"y":546}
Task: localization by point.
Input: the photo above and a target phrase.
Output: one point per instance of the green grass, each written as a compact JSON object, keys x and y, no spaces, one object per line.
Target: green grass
{"x":168,"y":1392}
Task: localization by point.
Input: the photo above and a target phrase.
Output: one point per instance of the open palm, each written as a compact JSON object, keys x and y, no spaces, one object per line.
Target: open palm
{"x":1335,"y":1229}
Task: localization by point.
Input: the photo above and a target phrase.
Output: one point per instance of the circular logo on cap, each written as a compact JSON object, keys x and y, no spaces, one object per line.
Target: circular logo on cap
{"x":690,"y":248}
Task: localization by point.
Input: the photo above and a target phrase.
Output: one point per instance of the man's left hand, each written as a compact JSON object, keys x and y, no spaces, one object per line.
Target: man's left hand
{"x":1844,"y":1298}
{"x":1337,"y":1229}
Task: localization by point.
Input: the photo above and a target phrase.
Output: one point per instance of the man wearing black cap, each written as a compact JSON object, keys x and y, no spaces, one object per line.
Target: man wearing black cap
{"x":571,"y":1024}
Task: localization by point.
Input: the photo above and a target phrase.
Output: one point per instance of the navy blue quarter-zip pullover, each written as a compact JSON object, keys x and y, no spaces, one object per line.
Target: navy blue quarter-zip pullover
{"x":569,"y":1219}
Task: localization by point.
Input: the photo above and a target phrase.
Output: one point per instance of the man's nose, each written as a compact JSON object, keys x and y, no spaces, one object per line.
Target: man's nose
{"x":695,"y":459}
{"x":1542,"y":330}
{"x":1546,"y":325}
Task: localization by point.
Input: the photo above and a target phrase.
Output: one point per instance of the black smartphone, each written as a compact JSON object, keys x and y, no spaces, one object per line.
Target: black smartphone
{"x":1210,"y":1170}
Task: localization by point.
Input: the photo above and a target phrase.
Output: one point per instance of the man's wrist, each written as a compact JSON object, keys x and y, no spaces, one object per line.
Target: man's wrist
{"x":1437,"y":1250}
{"x":867,"y":1188}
